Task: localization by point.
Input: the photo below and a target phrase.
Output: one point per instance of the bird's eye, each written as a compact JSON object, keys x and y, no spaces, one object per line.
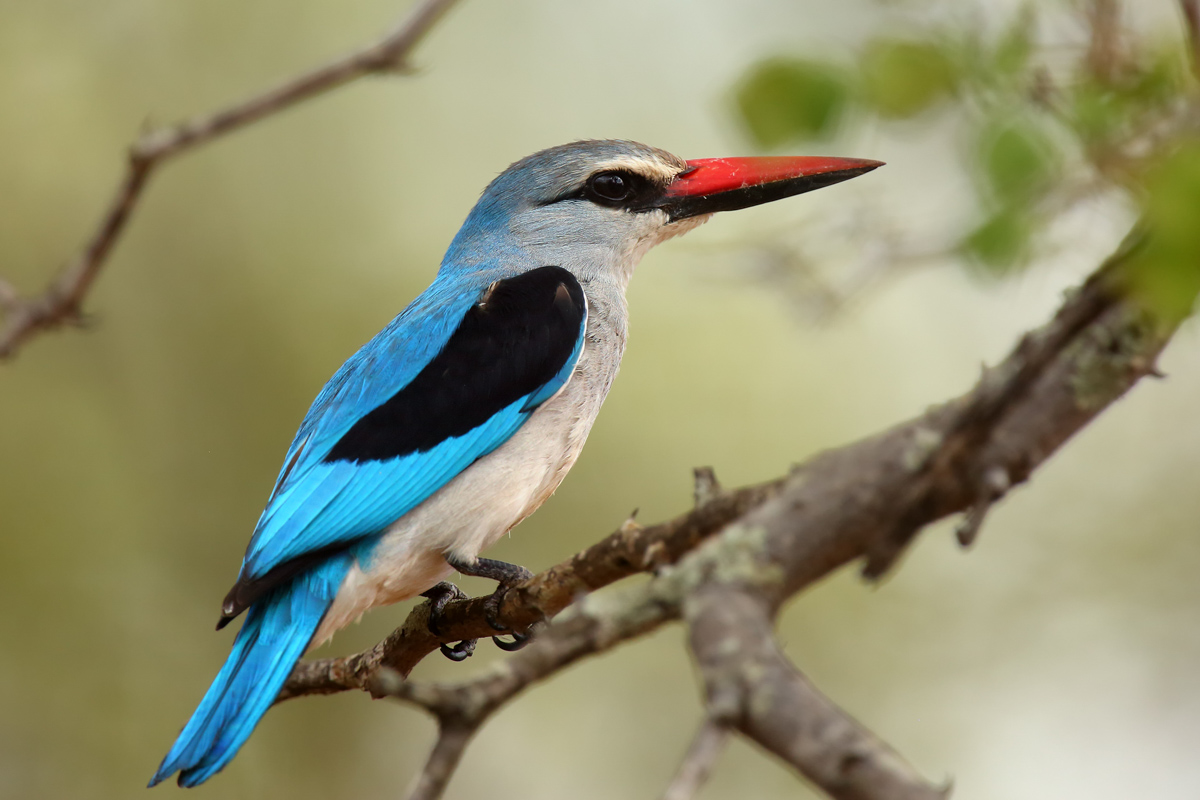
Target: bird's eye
{"x":612,"y":187}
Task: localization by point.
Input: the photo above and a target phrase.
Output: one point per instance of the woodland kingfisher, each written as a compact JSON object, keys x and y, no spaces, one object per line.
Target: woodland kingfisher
{"x":463,"y":415}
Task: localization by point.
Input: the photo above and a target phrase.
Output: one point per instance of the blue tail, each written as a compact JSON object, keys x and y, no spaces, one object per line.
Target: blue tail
{"x":275,"y":634}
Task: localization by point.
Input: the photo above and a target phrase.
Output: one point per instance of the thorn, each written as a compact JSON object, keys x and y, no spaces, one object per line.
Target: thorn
{"x":630,"y":525}
{"x":994,"y":485}
{"x":707,"y":488}
{"x":655,"y":556}
{"x":968,"y":530}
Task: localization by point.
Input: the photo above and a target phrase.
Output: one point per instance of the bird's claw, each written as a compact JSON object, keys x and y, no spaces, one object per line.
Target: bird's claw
{"x":491,"y":611}
{"x":506,"y":576}
{"x":439,"y":596}
{"x":519,"y":640}
{"x":491,"y":608}
{"x":459,"y":652}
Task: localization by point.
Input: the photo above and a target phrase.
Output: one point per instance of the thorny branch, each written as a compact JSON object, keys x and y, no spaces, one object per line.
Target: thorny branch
{"x":754,"y":547}
{"x":61,"y":302}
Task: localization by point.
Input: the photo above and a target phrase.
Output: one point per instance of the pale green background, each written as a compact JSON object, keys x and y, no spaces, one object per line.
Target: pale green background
{"x":1058,"y":660}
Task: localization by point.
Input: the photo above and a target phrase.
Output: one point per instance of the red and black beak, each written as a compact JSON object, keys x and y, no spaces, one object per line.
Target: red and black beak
{"x":709,"y":185}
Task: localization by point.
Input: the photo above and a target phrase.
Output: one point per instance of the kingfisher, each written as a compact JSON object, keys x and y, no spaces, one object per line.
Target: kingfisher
{"x":463,"y":415}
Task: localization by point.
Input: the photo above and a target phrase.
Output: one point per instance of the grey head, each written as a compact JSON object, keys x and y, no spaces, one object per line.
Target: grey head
{"x":595,"y":207}
{"x":580,"y":206}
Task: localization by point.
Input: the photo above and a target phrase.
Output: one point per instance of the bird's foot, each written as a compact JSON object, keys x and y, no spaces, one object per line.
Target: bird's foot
{"x":506,"y":576}
{"x":439,"y":596}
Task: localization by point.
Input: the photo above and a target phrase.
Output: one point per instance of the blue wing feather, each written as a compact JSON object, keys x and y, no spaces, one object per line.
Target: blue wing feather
{"x":317,"y":504}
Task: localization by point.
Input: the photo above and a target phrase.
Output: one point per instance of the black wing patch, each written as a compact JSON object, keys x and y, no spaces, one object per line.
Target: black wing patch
{"x":519,"y":335}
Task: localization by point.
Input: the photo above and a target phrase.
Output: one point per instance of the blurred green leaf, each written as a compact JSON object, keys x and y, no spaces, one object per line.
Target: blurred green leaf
{"x":1103,"y":112}
{"x":1162,"y":75}
{"x":1017,"y":159}
{"x":783,"y":100}
{"x":903,"y":78}
{"x":1167,"y":273}
{"x":1015,"y":45}
{"x":1001,"y":244}
{"x":1096,"y":113}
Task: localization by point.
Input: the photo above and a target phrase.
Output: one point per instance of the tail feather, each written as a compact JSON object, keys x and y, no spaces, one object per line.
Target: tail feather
{"x":277,"y":630}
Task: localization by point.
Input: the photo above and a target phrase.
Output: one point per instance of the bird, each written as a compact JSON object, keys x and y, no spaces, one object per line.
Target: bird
{"x":463,"y":415}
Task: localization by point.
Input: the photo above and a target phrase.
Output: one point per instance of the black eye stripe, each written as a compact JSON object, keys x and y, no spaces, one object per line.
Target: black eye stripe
{"x":618,"y":188}
{"x":615,"y":188}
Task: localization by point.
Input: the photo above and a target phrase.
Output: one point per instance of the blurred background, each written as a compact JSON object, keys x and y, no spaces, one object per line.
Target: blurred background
{"x":1058,"y":660}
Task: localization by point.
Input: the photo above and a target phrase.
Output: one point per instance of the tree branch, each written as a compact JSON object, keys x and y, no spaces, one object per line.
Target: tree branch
{"x":698,"y":762}
{"x":753,"y":686}
{"x":62,"y":300}
{"x":451,"y":743}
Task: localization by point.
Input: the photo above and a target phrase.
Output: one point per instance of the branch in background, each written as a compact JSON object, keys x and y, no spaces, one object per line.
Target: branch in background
{"x":451,"y":743}
{"x":62,"y":301}
{"x":753,"y":686}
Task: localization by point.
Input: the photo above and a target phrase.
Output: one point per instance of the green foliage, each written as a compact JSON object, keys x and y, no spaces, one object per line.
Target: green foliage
{"x":1001,"y":243}
{"x":1104,"y":109}
{"x":1167,"y":271}
{"x":1096,"y":114}
{"x":1017,"y":159}
{"x":1029,"y":117}
{"x":1014,"y":48}
{"x":901,"y":78}
{"x":784,"y":100}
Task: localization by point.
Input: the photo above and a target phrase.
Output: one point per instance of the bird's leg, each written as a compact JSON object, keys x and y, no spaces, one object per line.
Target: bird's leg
{"x":439,"y":596}
{"x":506,"y":576}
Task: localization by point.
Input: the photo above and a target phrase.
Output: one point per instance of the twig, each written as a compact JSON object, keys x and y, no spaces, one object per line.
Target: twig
{"x":452,"y":741}
{"x":767,"y":699}
{"x":973,"y":422}
{"x":706,"y":487}
{"x":698,"y":762}
{"x":61,"y":302}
